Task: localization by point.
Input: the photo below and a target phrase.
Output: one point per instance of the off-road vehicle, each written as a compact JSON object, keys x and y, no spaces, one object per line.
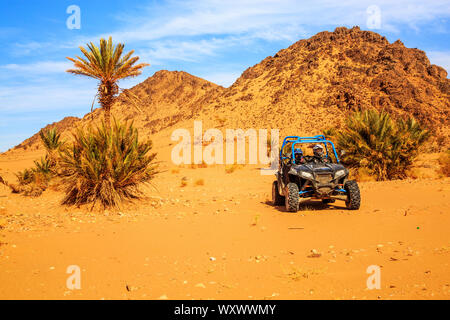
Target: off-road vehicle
{"x":309,"y":176}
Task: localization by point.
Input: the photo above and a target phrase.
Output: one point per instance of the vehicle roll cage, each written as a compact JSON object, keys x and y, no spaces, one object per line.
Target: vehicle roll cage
{"x":315,"y":139}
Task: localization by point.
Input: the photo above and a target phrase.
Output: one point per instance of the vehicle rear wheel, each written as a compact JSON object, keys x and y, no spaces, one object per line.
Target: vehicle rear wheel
{"x":277,"y":199}
{"x":353,"y":201}
{"x":292,"y":197}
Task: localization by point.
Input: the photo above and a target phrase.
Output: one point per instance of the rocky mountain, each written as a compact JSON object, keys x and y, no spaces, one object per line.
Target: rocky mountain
{"x":303,"y":89}
{"x":315,"y":82}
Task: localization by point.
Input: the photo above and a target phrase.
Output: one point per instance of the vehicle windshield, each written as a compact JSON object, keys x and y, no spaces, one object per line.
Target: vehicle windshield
{"x":307,"y":149}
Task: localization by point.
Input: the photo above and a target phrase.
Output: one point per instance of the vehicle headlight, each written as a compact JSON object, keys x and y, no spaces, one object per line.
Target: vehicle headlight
{"x":339,"y":173}
{"x":307,"y":175}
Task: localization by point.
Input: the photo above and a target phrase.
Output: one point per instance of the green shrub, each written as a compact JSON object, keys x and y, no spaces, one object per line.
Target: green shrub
{"x":44,"y":166}
{"x":52,"y":142}
{"x":373,"y":140}
{"x":51,"y":139}
{"x":34,"y":181}
{"x":106,"y":165}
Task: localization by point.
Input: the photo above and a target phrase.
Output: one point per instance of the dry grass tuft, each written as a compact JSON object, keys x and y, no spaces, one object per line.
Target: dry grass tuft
{"x":200,"y":182}
{"x":184,"y":182}
{"x":202,"y":165}
{"x":232,"y":168}
{"x":297,"y":274}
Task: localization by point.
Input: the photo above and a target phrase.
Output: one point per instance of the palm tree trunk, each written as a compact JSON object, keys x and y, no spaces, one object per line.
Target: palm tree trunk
{"x":106,"y":93}
{"x":108,"y":118}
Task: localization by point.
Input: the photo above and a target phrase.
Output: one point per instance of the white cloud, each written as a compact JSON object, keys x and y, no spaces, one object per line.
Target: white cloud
{"x":40,"y":67}
{"x":187,"y":30}
{"x":440,"y":58}
{"x":270,"y":19}
{"x":47,"y":96}
{"x":185,"y":50}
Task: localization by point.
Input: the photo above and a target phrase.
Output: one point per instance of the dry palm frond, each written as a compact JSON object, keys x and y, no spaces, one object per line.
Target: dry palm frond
{"x":2,"y":181}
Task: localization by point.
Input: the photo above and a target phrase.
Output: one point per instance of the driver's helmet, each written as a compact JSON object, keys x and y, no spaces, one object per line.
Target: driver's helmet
{"x":318,"y":150}
{"x":298,"y":154}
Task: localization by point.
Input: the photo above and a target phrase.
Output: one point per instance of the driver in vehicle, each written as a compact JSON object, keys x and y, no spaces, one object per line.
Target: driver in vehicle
{"x":318,"y":154}
{"x":298,"y":154}
{"x":299,"y":159}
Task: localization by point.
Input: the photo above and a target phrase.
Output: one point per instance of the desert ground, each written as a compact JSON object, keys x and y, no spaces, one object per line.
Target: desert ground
{"x":222,"y":239}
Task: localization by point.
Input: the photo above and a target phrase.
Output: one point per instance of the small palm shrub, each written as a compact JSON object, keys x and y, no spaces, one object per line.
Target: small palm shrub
{"x":43,"y":166}
{"x":51,"y":139}
{"x":32,"y":182}
{"x":106,"y":166}
{"x":374,"y":141}
{"x":25,"y":177}
{"x":52,"y":143}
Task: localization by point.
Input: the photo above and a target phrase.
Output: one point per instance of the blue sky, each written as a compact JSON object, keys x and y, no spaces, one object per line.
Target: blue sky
{"x":216,"y":40}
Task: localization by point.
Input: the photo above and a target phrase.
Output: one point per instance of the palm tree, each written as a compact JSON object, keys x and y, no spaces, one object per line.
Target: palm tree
{"x":386,"y":146}
{"x":109,"y":66}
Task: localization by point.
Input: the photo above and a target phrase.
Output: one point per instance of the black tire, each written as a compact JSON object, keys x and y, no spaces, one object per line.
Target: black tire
{"x":327,"y":201}
{"x":277,"y":199}
{"x":292,"y":198}
{"x":353,"y":201}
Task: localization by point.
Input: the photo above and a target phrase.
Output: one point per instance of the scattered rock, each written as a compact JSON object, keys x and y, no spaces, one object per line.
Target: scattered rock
{"x":314,"y":254}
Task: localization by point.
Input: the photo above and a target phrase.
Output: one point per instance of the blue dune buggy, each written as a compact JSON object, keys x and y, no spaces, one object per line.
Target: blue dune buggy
{"x":302,"y":176}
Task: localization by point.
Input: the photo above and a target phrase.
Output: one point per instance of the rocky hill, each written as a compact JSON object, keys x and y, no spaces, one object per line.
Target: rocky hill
{"x":303,"y":89}
{"x":315,"y":82}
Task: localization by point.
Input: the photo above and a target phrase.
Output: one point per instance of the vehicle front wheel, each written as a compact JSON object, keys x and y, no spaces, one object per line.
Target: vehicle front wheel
{"x":292,"y":197}
{"x":277,"y":199}
{"x":353,"y":201}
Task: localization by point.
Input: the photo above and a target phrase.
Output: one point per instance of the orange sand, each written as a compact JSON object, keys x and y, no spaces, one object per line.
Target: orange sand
{"x":223,"y":240}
